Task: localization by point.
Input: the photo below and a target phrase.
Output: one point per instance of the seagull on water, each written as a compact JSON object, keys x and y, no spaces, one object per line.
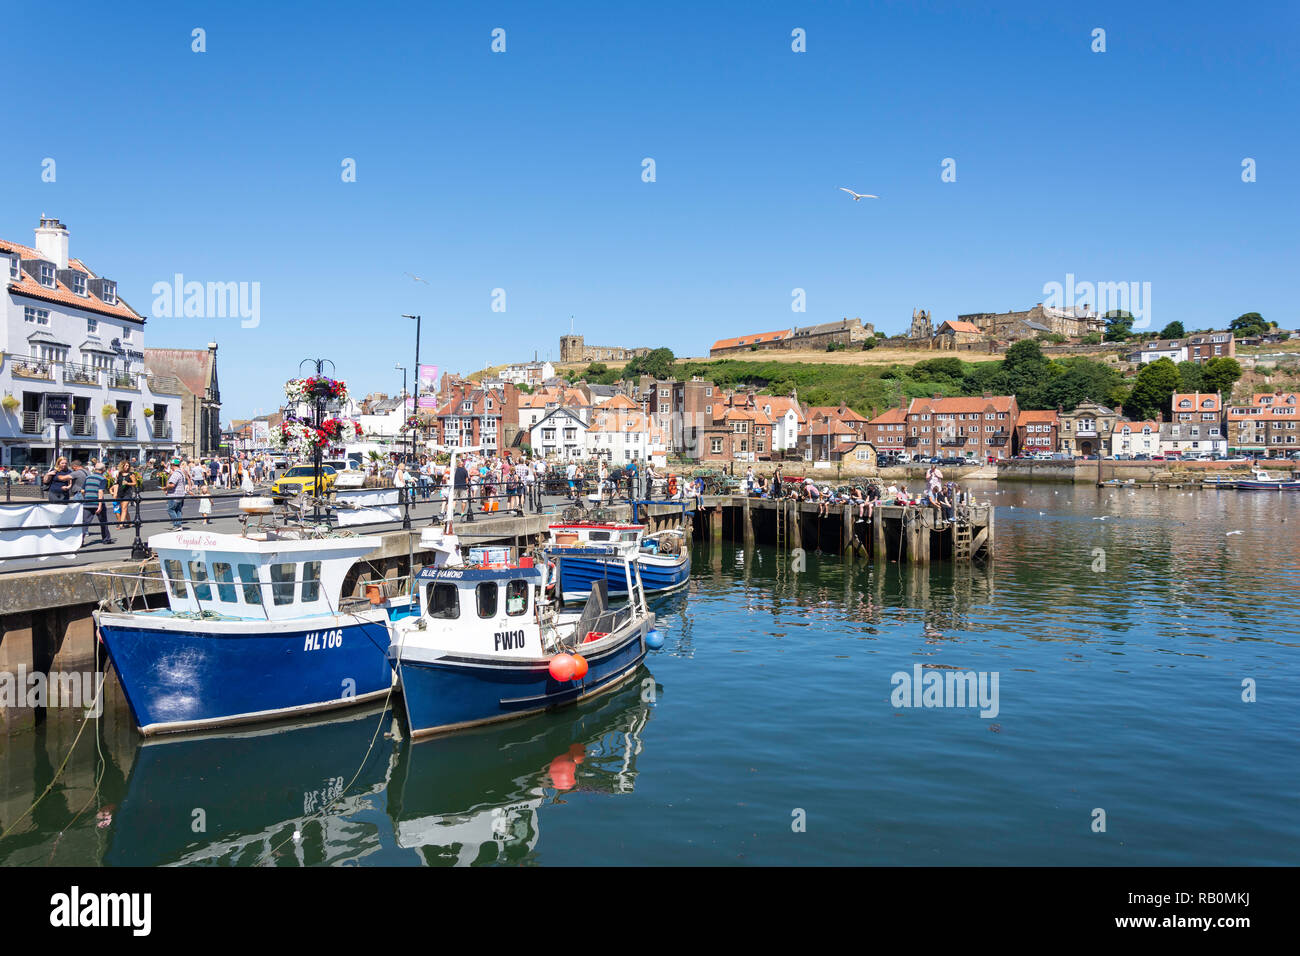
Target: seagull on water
{"x":858,"y":197}
{"x":1231,"y":533}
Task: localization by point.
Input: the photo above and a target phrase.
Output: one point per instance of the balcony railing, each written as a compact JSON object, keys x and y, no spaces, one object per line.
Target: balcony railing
{"x":74,"y":374}
{"x":912,"y":441}
{"x":82,"y":425}
{"x":162,"y":431}
{"x":953,"y":442}
{"x":29,"y":366}
{"x":124,"y":428}
{"x":118,"y":379}
{"x":31,"y":423}
{"x":997,"y":440}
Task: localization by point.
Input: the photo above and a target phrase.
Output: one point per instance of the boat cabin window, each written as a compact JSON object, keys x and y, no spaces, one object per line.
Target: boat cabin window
{"x":225,"y":578}
{"x":487,"y":599}
{"x":443,"y":601}
{"x":175,"y":577}
{"x":629,"y":535}
{"x":516,"y":598}
{"x":282,"y":583}
{"x":199,"y":579}
{"x":311,"y":581}
{"x":252,"y":587}
{"x":598,"y":536}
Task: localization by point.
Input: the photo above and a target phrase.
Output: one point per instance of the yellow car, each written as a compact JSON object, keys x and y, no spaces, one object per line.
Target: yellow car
{"x":301,"y":480}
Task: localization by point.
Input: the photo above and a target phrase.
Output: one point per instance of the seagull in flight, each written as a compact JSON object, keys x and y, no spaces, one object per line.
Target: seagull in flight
{"x":1231,"y":533}
{"x":858,"y":197}
{"x":416,"y":278}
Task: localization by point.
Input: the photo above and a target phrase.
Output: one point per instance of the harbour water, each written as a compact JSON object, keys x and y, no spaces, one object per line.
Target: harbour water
{"x":768,"y":729}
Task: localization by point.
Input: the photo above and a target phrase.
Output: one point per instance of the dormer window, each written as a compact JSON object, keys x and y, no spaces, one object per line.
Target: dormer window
{"x":46,"y":275}
{"x":109,"y":293}
{"x":79,"y":283}
{"x":15,"y":268}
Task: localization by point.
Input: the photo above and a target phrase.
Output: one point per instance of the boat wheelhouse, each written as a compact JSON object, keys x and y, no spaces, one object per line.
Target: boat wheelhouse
{"x":256,"y":628}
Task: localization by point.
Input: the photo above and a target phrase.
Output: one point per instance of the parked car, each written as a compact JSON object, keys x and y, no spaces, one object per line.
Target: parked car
{"x":301,"y":479}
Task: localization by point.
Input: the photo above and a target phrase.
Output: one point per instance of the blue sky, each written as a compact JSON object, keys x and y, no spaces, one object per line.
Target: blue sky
{"x":522,"y":170}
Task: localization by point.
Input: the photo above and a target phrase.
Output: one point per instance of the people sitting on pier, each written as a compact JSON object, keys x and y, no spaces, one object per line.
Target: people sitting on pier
{"x":859,"y":498}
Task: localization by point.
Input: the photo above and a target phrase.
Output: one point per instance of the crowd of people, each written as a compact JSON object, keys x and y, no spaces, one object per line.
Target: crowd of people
{"x":943,"y":496}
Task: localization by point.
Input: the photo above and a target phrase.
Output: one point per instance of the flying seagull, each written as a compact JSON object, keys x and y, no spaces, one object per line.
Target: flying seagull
{"x":416,"y":278}
{"x":857,"y":197}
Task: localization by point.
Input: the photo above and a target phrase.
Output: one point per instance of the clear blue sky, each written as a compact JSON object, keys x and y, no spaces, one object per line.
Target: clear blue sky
{"x":522,"y":171}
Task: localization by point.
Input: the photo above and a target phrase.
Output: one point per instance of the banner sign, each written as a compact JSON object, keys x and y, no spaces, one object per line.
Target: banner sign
{"x":429,"y":401}
{"x":57,"y":408}
{"x":20,"y":539}
{"x":369,"y":505}
{"x":428,"y":377}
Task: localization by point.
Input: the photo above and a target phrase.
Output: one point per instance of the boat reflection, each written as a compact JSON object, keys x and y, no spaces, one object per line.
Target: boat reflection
{"x":473,"y":798}
{"x":238,"y":798}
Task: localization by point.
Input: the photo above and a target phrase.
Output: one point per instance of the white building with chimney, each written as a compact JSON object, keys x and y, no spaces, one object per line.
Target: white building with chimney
{"x":72,"y":373}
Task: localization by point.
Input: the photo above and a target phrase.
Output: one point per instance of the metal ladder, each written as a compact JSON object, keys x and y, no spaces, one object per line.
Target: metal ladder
{"x":780,"y":524}
{"x":961,"y":540}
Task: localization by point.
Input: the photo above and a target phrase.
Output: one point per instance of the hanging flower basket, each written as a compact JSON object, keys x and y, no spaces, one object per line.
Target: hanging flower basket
{"x":339,"y":430}
{"x":9,"y":403}
{"x":147,"y":412}
{"x":108,"y":411}
{"x":315,"y":387}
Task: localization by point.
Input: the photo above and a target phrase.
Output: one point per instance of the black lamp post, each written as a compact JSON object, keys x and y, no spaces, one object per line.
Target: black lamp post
{"x":318,"y":400}
{"x":415,"y":405}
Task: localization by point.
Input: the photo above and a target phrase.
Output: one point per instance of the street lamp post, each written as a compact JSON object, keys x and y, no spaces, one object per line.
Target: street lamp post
{"x":415,"y":406}
{"x":318,"y":416}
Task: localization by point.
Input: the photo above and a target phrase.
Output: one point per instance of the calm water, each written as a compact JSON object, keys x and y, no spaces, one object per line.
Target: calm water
{"x":1119,"y":689}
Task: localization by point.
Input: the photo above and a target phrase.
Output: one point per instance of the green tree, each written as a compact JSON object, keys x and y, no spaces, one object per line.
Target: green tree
{"x":1249,"y":323}
{"x":1221,"y":374}
{"x":1025,"y":371}
{"x":951,"y":369}
{"x":658,"y":363}
{"x":1092,"y":338}
{"x":1082,"y":378}
{"x":1174,"y":330}
{"x":1119,"y":325}
{"x":868,"y":344}
{"x":1155,"y":386}
{"x":595,"y":370}
{"x":1191,"y":377}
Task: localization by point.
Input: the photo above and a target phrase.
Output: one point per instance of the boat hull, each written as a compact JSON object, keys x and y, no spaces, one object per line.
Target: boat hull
{"x":444,"y":692}
{"x":658,"y":573}
{"x":187,"y":675}
{"x":1268,"y":485}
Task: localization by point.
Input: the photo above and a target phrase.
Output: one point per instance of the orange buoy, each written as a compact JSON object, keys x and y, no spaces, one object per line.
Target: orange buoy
{"x":579,"y":667}
{"x":562,"y":667}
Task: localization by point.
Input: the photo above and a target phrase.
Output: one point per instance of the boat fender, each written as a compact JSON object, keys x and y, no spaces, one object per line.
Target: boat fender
{"x":654,"y":639}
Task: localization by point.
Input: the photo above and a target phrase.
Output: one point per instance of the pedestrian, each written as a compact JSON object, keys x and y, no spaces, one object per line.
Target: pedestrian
{"x":94,"y":498}
{"x":460,"y":484}
{"x":79,"y":474}
{"x":125,"y":482}
{"x":176,"y":485}
{"x":59,"y":481}
{"x":205,"y":502}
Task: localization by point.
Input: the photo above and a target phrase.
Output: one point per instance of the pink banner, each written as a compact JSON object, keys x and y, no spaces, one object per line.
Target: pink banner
{"x":428,"y":377}
{"x":429,"y":401}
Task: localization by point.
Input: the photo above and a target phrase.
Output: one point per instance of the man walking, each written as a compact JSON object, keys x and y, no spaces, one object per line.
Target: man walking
{"x":460,"y":484}
{"x":93,"y":492}
{"x":176,"y":482}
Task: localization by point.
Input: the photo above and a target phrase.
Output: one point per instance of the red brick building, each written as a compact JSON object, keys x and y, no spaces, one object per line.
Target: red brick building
{"x":473,"y":415}
{"x":741,"y":432}
{"x":1036,"y":432}
{"x":977,"y":428}
{"x":887,"y":431}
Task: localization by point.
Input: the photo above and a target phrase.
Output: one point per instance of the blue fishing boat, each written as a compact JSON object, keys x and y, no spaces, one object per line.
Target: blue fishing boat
{"x":1262,"y":481}
{"x":255,"y":628}
{"x":491,"y":642}
{"x":662,"y":558}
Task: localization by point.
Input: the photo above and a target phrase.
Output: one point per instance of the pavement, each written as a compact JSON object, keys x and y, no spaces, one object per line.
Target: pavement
{"x":224,"y":519}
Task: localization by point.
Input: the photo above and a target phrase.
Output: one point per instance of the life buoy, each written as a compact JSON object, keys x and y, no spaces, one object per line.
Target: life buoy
{"x":672,"y":486}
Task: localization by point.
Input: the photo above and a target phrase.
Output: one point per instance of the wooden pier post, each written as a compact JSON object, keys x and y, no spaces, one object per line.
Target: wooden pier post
{"x":796,"y":524}
{"x":748,"y":528}
{"x":846,"y":542}
{"x":879,"y":550}
{"x":715,"y":525}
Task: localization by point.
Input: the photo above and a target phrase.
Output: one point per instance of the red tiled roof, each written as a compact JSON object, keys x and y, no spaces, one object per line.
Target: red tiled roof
{"x":895,"y":416}
{"x":959,"y":326}
{"x":1036,"y":416}
{"x":959,"y":406}
{"x":61,"y":294}
{"x":752,"y":339}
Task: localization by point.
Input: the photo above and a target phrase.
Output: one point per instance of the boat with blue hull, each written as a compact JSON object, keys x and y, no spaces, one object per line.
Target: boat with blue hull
{"x":662,"y":558}
{"x":255,"y":629}
{"x":492,"y":643}
{"x":1262,"y":481}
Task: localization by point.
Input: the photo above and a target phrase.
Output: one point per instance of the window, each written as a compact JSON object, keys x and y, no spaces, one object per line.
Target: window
{"x":486,"y":597}
{"x":36,"y":316}
{"x":516,"y":598}
{"x":224,"y":575}
{"x":717,"y":446}
{"x":311,"y":581}
{"x":126,"y":335}
{"x":47,"y":274}
{"x":443,"y":601}
{"x":252,"y":587}
{"x":15,"y":268}
{"x":109,"y":295}
{"x":199,"y":579}
{"x":708,"y":409}
{"x":79,"y":283}
{"x":175,"y":577}
{"x":92,"y":326}
{"x":282,"y":576}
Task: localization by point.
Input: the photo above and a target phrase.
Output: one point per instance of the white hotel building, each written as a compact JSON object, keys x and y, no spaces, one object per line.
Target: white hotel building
{"x":68,"y":342}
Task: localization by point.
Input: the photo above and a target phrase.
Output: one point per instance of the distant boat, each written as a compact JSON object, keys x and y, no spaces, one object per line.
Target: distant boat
{"x":662,"y":558}
{"x":1260,"y":480}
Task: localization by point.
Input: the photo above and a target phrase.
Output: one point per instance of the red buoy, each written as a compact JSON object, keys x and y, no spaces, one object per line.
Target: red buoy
{"x":579,"y":667}
{"x":562,"y":667}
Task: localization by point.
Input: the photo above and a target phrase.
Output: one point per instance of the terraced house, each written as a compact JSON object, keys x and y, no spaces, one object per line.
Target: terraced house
{"x":975,"y":428}
{"x":72,"y":370}
{"x":474,"y":415}
{"x":1267,"y":426}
